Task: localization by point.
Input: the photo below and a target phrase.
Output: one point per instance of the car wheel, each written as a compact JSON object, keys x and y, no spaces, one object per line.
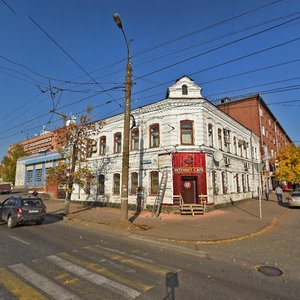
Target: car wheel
{"x":10,"y":222}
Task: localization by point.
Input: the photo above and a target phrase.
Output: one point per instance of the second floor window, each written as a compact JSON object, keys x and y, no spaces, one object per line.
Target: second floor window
{"x":116,"y":186}
{"x":135,"y":139}
{"x":220,"y":138}
{"x":102,"y":149}
{"x":186,"y":131}
{"x":210,"y":135}
{"x":117,"y":142}
{"x":154,"y":135}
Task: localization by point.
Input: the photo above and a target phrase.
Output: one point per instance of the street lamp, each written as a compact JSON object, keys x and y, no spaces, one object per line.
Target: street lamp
{"x":125,"y":158}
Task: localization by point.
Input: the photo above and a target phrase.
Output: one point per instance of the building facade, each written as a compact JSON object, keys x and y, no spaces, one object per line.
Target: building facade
{"x":184,"y":144}
{"x":31,"y":170}
{"x":252,"y":112}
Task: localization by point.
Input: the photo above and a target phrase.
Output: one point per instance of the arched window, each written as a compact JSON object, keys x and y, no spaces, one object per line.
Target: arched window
{"x":117,"y":142}
{"x":154,"y":135}
{"x":116,"y":186}
{"x":134,"y":182}
{"x":184,"y":90}
{"x":102,"y":149}
{"x":101,"y":185}
{"x":186,"y":132}
{"x":135,"y":139}
{"x":210,"y":135}
{"x":154,"y":182}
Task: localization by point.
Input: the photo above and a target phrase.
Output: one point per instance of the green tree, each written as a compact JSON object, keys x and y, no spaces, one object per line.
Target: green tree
{"x":289,"y":164}
{"x":9,"y":163}
{"x":74,"y":144}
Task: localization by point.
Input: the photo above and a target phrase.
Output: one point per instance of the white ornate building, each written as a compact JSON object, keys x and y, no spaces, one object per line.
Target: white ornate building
{"x":184,"y":144}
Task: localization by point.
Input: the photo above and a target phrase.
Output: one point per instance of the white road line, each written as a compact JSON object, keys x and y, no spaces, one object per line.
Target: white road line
{"x":170,"y":246}
{"x":43,"y":283}
{"x":124,"y":253}
{"x":93,"y":277}
{"x":20,"y":240}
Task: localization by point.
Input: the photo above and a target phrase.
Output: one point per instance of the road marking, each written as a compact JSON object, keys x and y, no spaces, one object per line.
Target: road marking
{"x":124,"y":253}
{"x":17,"y":287}
{"x":19,"y":240}
{"x":93,"y":277}
{"x":43,"y":283}
{"x":169,"y":246}
{"x":133,"y":262}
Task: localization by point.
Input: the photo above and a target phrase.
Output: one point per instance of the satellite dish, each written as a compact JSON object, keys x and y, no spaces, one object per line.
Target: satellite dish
{"x":218,"y":156}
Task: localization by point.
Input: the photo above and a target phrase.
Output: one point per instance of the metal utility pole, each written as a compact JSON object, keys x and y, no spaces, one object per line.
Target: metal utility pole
{"x":125,"y":158}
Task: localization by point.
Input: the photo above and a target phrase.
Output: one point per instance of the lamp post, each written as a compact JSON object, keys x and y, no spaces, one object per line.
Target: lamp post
{"x":125,"y":158}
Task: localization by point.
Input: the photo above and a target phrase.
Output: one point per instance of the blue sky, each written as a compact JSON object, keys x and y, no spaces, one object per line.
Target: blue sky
{"x":229,"y":47}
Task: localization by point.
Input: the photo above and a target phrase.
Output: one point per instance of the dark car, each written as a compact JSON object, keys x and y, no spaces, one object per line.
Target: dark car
{"x":16,"y":210}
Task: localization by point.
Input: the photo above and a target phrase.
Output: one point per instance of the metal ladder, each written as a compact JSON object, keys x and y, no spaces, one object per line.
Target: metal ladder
{"x":160,"y":195}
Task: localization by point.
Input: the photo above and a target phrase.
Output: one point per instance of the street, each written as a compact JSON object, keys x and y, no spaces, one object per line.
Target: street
{"x":57,"y":260}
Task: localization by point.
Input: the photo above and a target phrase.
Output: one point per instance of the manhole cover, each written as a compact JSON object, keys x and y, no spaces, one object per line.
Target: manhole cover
{"x":270,"y":271}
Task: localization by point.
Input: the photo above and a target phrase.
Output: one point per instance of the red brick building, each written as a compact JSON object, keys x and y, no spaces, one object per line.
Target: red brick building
{"x":253,"y":113}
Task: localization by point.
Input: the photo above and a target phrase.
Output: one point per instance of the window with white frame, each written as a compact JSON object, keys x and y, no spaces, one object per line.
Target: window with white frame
{"x":116,"y":184}
{"x":186,"y":132}
{"x":117,"y":142}
{"x":135,"y":139}
{"x":154,"y":135}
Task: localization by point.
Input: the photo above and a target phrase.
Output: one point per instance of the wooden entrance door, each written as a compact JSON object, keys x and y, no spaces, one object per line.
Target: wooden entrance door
{"x":189,"y":189}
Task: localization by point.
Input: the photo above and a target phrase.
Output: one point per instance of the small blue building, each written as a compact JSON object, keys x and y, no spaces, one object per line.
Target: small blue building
{"x":31,"y":170}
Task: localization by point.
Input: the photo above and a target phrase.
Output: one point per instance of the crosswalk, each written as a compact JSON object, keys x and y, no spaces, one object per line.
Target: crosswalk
{"x":92,"y":272}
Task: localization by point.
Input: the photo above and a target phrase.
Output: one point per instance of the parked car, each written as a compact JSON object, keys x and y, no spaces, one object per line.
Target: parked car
{"x":294,"y":199}
{"x":5,"y":188}
{"x":16,"y":210}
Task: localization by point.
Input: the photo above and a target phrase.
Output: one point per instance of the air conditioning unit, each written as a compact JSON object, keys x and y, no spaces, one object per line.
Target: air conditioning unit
{"x":227,"y":161}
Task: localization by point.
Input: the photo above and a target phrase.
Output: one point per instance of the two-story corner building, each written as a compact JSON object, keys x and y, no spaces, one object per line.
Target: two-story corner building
{"x":253,"y":112}
{"x":183,"y":143}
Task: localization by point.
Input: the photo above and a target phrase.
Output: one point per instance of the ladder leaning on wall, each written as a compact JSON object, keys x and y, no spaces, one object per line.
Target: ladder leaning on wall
{"x":160,"y":195}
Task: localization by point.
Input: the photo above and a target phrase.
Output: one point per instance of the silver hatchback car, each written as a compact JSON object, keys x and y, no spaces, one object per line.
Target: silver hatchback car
{"x":16,"y":210}
{"x":294,"y":199}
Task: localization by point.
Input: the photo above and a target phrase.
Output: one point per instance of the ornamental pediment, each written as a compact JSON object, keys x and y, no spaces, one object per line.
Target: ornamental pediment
{"x":184,"y":88}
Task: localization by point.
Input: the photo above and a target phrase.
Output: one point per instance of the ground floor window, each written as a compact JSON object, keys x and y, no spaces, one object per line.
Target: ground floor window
{"x":154,"y":182}
{"x":134,"y":182}
{"x":116,"y":186}
{"x":39,"y":175}
{"x":29,"y":176}
{"x":101,"y":185}
{"x":214,"y":182}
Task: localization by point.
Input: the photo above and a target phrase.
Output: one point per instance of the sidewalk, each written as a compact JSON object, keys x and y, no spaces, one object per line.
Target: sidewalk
{"x":237,"y":221}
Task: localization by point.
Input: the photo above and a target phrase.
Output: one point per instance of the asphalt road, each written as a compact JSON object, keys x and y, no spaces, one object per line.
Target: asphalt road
{"x":62,"y":261}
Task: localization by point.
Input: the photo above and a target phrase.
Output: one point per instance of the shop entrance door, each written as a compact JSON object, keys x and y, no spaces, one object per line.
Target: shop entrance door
{"x":189,"y":189}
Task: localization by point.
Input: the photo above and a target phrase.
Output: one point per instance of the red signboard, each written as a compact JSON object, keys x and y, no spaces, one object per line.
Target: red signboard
{"x":189,"y":165}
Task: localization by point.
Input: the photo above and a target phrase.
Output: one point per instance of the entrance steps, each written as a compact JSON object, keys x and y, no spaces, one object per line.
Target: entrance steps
{"x":191,"y":209}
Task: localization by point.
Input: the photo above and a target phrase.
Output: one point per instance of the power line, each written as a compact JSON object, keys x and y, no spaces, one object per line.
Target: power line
{"x":219,"y":47}
{"x":9,"y":7}
{"x":72,"y":59}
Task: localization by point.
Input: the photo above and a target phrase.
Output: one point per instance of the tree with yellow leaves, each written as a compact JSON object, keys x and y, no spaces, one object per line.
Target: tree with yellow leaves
{"x":74,"y":144}
{"x":289,"y":164}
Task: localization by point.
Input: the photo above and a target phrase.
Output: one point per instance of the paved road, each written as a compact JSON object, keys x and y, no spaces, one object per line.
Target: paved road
{"x":62,"y":261}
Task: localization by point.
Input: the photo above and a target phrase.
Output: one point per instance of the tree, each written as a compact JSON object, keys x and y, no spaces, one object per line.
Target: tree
{"x":9,"y":163}
{"x":74,"y":143}
{"x":289,"y":164}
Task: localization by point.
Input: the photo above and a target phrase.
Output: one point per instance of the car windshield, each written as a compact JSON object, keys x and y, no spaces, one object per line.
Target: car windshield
{"x":32,"y":202}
